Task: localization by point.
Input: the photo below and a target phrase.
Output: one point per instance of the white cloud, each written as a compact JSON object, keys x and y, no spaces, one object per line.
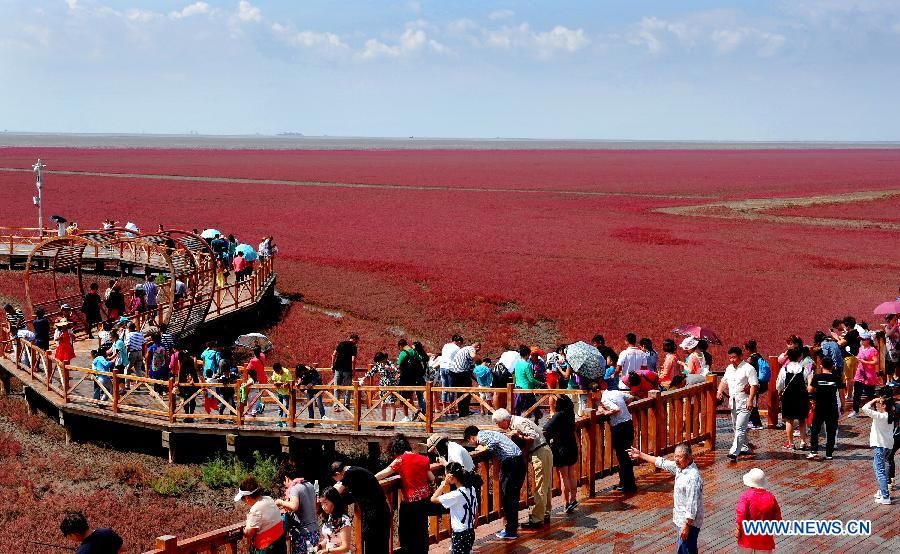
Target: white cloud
{"x":653,"y":32}
{"x":248,"y":12}
{"x":411,"y":41}
{"x":308,"y":39}
{"x":197,"y":8}
{"x":718,"y":31}
{"x":500,"y":14}
{"x":72,"y":4}
{"x":561,"y":38}
{"x":141,"y":16}
{"x":545,"y":44}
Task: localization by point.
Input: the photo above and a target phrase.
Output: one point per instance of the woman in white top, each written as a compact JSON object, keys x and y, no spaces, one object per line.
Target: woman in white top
{"x":881,"y":439}
{"x":462,"y":503}
{"x":264,"y":529}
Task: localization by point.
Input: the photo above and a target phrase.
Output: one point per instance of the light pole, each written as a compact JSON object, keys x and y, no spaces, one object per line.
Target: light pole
{"x":39,"y":199}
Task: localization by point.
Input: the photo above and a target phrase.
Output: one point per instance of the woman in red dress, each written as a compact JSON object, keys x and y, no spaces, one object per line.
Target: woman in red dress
{"x":65,"y":341}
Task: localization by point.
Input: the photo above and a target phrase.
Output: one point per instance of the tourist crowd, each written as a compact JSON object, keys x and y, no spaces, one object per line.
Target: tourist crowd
{"x":814,"y":382}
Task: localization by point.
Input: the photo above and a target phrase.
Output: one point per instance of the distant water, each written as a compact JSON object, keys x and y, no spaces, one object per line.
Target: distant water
{"x":296,"y":142}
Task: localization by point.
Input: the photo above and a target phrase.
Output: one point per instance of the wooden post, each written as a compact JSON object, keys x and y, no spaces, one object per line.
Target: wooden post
{"x":774,"y":406}
{"x":292,"y":406}
{"x":171,"y":399}
{"x":357,"y":406}
{"x":658,"y":424}
{"x":509,"y":397}
{"x":65,"y":383}
{"x":710,"y":414}
{"x":593,"y":425}
{"x":115,"y":391}
{"x":239,"y":405}
{"x":429,"y":409}
{"x":168,"y":544}
{"x":50,"y":372}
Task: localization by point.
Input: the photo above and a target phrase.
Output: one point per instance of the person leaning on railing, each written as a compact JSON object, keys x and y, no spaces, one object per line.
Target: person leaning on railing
{"x":512,"y":473}
{"x":361,"y":485}
{"x":264,"y":528}
{"x":415,"y":478}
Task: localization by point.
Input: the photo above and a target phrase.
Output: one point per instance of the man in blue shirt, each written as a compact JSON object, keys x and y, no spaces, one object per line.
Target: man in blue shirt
{"x":151,"y":292}
{"x":512,"y":473}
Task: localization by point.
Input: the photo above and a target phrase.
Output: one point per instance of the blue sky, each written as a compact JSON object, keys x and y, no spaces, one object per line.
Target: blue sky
{"x":614,"y":69}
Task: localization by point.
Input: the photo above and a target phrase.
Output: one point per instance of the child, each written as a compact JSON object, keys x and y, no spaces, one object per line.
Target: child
{"x":881,"y":440}
{"x":485,"y":378}
{"x":462,"y":503}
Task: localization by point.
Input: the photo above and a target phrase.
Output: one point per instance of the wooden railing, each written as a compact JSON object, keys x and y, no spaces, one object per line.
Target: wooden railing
{"x":168,"y":402}
{"x":660,"y":422}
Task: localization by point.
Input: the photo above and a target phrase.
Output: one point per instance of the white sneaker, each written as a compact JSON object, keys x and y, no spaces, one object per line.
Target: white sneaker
{"x":812,"y":456}
{"x":796,"y":433}
{"x":882,"y":500}
{"x":878,"y":495}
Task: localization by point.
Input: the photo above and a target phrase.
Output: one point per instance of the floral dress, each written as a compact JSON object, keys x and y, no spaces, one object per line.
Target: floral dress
{"x":331,"y":528}
{"x":388,"y":376}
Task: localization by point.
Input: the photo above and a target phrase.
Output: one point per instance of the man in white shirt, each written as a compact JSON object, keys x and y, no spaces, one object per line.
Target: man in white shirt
{"x":740,"y":383}
{"x":448,"y":451}
{"x":630,"y":361}
{"x":447,"y":353}
{"x":614,"y":404}
{"x":687,"y":508}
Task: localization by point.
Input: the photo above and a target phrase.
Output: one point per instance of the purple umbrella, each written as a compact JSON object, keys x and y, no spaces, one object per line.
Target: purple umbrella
{"x":698,"y":332}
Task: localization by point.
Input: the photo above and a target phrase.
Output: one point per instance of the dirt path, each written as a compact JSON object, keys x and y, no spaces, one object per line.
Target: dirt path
{"x":324,"y":184}
{"x":757,"y":208}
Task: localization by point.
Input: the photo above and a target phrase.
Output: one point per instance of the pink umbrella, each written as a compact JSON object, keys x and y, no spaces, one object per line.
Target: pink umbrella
{"x":698,"y":332}
{"x":886,"y":308}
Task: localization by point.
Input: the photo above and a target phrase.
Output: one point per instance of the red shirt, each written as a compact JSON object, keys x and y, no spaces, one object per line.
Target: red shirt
{"x":238,"y":263}
{"x":413,"y":471}
{"x":257,"y":365}
{"x":649,"y":382}
{"x":757,"y":504}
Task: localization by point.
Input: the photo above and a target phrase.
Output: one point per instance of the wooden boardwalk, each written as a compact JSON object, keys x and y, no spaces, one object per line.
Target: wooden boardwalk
{"x":806,"y":489}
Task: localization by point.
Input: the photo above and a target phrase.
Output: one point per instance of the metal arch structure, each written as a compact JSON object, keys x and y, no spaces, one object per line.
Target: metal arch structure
{"x":195,"y":265}
{"x":180,"y":255}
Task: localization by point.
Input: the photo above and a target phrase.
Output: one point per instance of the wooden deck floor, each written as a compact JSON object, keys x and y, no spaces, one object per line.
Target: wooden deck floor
{"x":613,"y":523}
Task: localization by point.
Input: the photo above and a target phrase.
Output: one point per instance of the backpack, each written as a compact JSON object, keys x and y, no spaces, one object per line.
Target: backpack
{"x":412,"y":370}
{"x":763,"y":370}
{"x":499,"y":376}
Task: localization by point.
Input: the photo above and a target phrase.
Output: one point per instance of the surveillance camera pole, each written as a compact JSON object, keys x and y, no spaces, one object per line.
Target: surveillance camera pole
{"x":39,"y":199}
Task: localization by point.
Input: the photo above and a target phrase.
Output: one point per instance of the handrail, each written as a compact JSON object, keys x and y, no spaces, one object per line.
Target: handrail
{"x":693,"y":407}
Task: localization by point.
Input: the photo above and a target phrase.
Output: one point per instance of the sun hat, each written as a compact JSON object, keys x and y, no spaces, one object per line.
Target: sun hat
{"x":242,"y":493}
{"x":755,"y":478}
{"x":62,"y":322}
{"x":434,"y":439}
{"x":689,"y":343}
